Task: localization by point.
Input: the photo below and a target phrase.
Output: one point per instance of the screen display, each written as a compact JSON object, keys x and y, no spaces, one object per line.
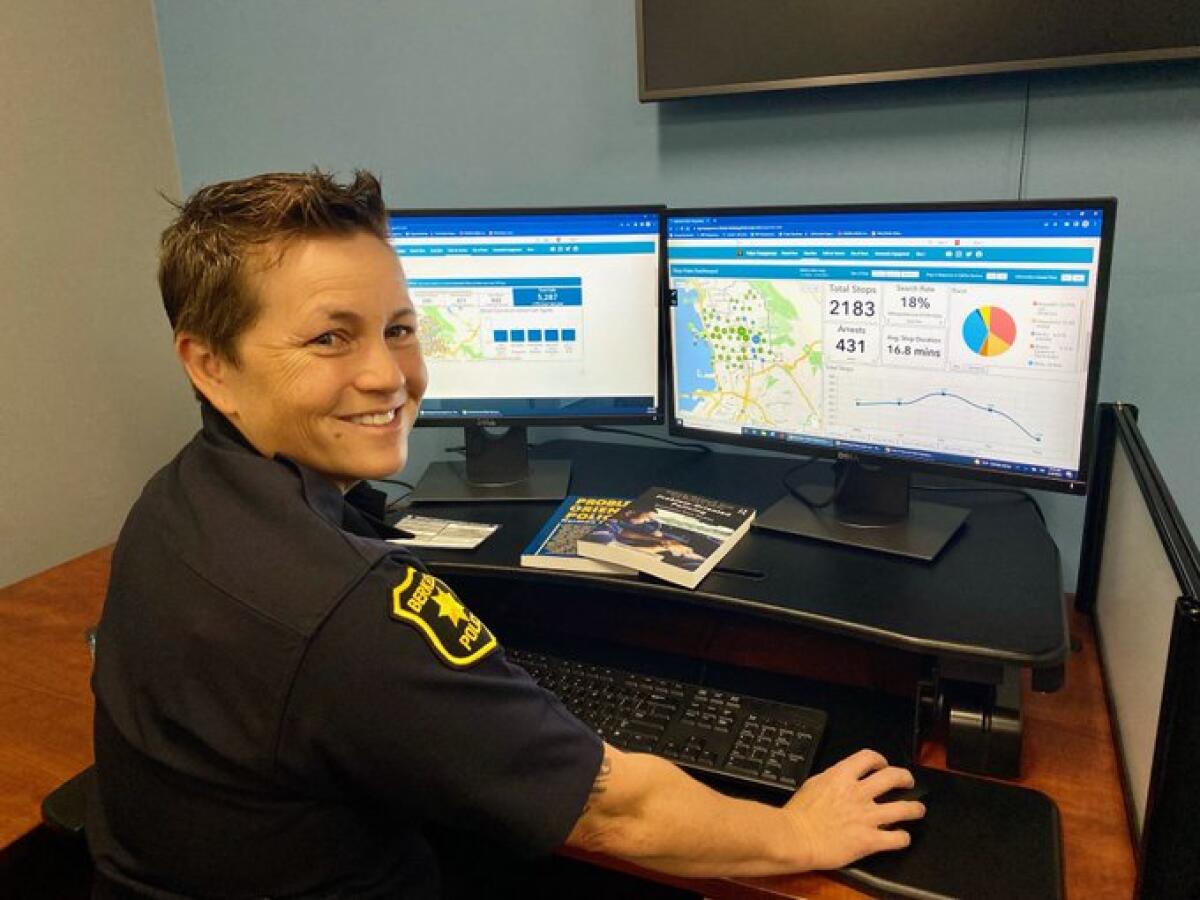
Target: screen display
{"x":536,"y":316}
{"x":946,"y":336}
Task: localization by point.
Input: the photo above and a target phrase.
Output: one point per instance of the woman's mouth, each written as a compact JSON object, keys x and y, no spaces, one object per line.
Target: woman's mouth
{"x":374,"y":418}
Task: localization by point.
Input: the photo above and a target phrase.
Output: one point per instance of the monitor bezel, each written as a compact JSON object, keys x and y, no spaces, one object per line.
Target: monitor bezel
{"x":1078,"y":486}
{"x":557,"y":421}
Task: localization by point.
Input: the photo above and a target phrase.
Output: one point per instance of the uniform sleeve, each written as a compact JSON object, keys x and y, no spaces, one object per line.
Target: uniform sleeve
{"x":405,"y":702}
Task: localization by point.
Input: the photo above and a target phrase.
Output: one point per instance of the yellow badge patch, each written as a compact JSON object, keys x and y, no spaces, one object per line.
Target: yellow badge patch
{"x":456,"y":634}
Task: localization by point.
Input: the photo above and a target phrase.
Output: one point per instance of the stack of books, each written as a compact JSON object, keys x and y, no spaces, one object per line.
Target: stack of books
{"x":675,"y":536}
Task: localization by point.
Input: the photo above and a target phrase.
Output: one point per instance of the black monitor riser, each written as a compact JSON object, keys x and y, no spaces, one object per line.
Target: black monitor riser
{"x":497,"y":467}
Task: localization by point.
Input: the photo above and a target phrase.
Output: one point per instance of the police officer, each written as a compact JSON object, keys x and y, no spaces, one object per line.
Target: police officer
{"x":286,"y":703}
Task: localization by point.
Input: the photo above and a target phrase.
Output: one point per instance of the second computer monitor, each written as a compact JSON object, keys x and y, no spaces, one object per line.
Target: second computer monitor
{"x":532,"y":317}
{"x":961,"y":337}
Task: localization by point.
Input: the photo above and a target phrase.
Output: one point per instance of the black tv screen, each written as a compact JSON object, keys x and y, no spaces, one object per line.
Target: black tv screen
{"x":695,"y":47}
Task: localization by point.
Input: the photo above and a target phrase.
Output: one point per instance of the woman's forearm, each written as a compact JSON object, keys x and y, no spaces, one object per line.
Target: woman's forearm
{"x":645,"y":810}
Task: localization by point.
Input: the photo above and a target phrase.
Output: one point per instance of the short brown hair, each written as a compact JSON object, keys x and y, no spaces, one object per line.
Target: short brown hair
{"x":203,"y":253}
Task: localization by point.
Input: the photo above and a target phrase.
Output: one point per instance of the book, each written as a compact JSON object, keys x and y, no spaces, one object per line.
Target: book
{"x":672,"y":535}
{"x":554,"y":547}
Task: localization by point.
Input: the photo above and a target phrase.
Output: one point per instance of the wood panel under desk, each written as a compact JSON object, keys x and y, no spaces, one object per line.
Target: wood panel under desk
{"x":46,"y":704}
{"x":45,"y":695}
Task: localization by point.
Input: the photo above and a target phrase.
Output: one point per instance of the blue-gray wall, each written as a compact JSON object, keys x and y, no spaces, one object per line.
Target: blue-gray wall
{"x":463,"y":102}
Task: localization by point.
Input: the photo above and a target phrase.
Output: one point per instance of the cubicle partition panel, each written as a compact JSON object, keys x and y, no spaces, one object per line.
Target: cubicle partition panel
{"x":1140,"y":579}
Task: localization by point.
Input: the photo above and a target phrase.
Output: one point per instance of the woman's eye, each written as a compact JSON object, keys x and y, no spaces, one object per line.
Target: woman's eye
{"x":398,"y":332}
{"x":328,"y":339}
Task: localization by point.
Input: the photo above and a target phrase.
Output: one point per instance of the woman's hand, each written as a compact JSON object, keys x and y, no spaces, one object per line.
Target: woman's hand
{"x":835,"y":815}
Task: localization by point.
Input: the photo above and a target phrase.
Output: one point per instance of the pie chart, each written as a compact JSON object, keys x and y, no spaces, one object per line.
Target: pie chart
{"x":989,"y":331}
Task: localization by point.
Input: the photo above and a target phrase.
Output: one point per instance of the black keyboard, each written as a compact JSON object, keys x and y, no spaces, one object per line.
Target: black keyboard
{"x":745,"y":739}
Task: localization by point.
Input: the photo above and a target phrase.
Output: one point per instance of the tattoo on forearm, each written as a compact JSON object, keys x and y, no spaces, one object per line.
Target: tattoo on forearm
{"x":600,"y":785}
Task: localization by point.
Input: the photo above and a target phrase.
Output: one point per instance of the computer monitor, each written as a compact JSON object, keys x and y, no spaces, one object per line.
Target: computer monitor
{"x":531,"y":317}
{"x":960,"y":338}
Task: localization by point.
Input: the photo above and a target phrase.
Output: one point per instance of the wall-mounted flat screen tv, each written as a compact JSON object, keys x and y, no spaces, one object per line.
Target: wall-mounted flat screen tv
{"x":690,"y":48}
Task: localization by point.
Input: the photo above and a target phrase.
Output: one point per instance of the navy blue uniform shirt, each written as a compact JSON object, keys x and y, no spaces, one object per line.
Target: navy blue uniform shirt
{"x":284,"y":700}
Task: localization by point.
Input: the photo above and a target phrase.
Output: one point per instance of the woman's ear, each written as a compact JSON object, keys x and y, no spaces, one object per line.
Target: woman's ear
{"x":208,"y":370}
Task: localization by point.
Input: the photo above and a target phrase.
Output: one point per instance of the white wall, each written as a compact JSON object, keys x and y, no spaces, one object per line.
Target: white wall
{"x":91,"y":400}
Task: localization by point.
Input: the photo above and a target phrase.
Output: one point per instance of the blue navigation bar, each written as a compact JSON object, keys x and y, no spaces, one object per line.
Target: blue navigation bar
{"x":552,"y":281}
{"x":1060,"y":277}
{"x":940,"y":254}
{"x":570,"y":248}
{"x":1046,"y":223}
{"x":531,"y":224}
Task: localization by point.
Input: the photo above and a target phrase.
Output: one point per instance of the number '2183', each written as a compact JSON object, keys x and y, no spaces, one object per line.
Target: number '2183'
{"x":858,"y":308}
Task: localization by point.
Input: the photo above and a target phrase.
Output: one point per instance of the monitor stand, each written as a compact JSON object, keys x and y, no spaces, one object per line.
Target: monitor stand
{"x":872,"y":511}
{"x":497,"y":467}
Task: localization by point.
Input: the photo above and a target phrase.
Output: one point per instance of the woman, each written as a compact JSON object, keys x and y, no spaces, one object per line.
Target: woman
{"x":285,"y":703}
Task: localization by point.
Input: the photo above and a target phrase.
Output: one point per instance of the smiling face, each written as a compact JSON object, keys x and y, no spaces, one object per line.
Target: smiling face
{"x":330,"y":373}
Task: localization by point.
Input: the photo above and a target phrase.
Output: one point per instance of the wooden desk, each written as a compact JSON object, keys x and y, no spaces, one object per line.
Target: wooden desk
{"x":45,"y":738}
{"x":45,"y":697}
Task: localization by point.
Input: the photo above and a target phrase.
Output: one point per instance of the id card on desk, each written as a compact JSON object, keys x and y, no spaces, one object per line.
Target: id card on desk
{"x":443,"y":534}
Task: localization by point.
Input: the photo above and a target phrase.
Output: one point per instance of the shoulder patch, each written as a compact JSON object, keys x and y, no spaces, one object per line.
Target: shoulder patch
{"x":456,"y":634}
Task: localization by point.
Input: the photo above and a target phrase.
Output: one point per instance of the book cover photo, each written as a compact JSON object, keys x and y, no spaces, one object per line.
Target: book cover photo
{"x":672,"y":535}
{"x":554,"y":547}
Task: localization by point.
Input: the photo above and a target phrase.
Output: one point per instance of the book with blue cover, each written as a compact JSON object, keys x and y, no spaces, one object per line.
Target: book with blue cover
{"x":554,"y":547}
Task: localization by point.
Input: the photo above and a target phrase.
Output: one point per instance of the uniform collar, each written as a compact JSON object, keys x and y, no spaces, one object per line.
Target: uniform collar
{"x":360,"y":510}
{"x":220,"y":429}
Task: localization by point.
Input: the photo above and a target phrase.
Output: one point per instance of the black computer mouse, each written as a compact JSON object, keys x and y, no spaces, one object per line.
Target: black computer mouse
{"x":918,"y":791}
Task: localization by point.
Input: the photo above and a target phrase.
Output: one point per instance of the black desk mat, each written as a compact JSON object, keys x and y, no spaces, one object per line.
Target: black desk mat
{"x":979,"y":840}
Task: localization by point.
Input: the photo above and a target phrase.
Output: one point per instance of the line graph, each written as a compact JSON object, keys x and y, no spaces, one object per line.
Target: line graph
{"x":987,"y":408}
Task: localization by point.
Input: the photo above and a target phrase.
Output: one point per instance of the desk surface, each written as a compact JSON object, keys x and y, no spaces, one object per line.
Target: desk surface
{"x":992,"y":595}
{"x":45,"y":695}
{"x":45,"y":736}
